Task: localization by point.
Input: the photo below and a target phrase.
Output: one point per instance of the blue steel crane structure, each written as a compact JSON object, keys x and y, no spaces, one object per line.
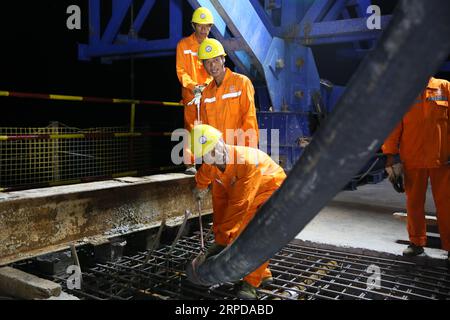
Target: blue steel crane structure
{"x":271,"y":41}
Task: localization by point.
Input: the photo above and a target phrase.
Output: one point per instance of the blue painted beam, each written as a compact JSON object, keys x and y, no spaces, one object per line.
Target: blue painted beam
{"x":94,"y":21}
{"x":175,"y":20}
{"x":272,"y":4}
{"x":143,"y":14}
{"x":346,"y":15}
{"x":131,"y":48}
{"x":292,"y":12}
{"x":336,"y":10}
{"x":230,"y":44}
{"x":341,"y":31}
{"x":362,"y":6}
{"x":120,"y":9}
{"x":243,"y":21}
{"x":111,"y":43}
{"x":317,"y":11}
{"x":263,"y":16}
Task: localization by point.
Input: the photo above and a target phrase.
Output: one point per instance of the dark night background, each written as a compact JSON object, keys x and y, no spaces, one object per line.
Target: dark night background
{"x":39,"y":54}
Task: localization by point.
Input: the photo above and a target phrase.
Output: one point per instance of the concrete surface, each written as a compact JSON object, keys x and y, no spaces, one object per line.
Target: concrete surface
{"x":364,"y":219}
{"x":64,"y":296}
{"x":18,"y":284}
{"x":382,"y":195}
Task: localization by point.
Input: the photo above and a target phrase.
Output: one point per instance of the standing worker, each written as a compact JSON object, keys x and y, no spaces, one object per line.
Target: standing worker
{"x":228,"y":102}
{"x":191,"y":73}
{"x":423,"y":141}
{"x":246,"y":178}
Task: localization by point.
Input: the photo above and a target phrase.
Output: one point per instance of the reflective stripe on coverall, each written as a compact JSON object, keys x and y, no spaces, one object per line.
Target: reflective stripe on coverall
{"x":249,"y":180}
{"x":423,"y":141}
{"x":231,"y":106}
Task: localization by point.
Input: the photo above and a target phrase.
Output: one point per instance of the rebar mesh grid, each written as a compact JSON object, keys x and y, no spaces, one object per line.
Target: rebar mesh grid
{"x":300,"y":273}
{"x":60,"y":154}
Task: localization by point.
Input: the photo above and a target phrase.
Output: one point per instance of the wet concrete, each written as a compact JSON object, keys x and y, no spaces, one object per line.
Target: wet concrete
{"x":364,"y":219}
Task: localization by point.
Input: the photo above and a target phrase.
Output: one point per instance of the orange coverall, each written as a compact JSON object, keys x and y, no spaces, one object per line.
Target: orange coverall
{"x":248,"y":181}
{"x":423,"y":140}
{"x":231,"y":106}
{"x":190,"y":72}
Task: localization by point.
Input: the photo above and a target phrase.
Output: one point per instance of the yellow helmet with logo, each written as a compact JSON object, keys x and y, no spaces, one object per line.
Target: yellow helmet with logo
{"x":202,"y":16}
{"x":210,"y":48}
{"x":203,"y":139}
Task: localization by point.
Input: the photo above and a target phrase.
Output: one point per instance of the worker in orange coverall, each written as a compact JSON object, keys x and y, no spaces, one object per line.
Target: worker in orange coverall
{"x":246,"y":177}
{"x":423,"y":141}
{"x":228,"y":102}
{"x":191,"y":73}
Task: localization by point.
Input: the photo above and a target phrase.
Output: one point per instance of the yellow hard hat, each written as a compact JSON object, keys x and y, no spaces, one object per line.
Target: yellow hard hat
{"x":202,"y":16}
{"x":203,"y":139}
{"x":210,"y":48}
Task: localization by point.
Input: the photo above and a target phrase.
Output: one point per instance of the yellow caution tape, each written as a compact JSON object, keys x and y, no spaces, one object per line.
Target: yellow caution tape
{"x":67,"y":136}
{"x":61,"y":97}
{"x":175,"y":104}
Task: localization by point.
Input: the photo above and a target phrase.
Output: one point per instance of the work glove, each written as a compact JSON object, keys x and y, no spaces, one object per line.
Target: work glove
{"x":396,"y":176}
{"x":213,"y":250}
{"x":192,"y":267}
{"x":199,"y":194}
{"x":198,"y":89}
{"x":197,"y":95}
{"x":196,"y":100}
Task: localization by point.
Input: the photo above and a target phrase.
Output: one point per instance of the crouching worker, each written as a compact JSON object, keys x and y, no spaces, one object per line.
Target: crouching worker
{"x":242,"y":179}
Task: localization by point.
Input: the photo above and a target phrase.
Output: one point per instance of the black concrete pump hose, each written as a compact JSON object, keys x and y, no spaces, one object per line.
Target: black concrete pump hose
{"x":411,"y":50}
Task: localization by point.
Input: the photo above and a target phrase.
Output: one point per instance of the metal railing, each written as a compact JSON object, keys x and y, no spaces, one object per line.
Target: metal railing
{"x":60,"y":154}
{"x":57,"y":155}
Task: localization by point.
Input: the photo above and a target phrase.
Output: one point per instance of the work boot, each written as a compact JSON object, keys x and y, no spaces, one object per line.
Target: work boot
{"x":267,"y":281}
{"x":412,"y":250}
{"x":190,"y":170}
{"x":246,"y":291}
{"x":213,"y":250}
